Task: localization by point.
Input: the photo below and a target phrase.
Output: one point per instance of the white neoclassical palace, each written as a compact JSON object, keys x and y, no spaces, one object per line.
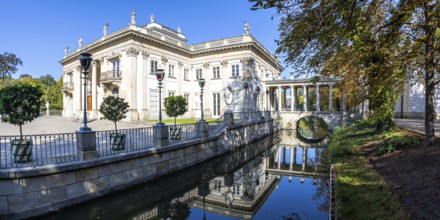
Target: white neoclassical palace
{"x":124,"y":63}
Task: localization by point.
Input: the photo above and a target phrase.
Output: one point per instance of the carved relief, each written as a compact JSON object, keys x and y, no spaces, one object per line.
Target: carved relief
{"x":145,"y":55}
{"x":224,"y":63}
{"x":247,"y":60}
{"x":206,"y":65}
{"x":164,"y":60}
{"x":131,"y":52}
{"x":180,"y":64}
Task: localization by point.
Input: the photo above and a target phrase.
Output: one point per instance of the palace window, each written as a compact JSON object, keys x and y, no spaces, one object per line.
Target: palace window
{"x":199,"y":74}
{"x":171,"y":93}
{"x":216,"y":104}
{"x":115,"y":92}
{"x":218,"y":185}
{"x":171,"y":71}
{"x":216,"y":72}
{"x":115,"y":64}
{"x":154,"y":100}
{"x":235,"y":70}
{"x":236,"y":189}
{"x":186,"y":74}
{"x":186,"y":95}
{"x":153,"y":66}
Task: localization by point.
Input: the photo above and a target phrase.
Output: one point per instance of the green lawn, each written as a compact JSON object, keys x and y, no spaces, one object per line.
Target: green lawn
{"x":183,"y":120}
{"x":362,"y":192}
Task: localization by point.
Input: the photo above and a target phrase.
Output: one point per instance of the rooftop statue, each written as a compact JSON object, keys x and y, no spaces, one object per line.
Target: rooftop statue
{"x":151,"y":18}
{"x":179,"y":30}
{"x":80,"y":42}
{"x":133,"y":17}
{"x":246,"y":28}
{"x":66,"y":50}
{"x":105,"y":28}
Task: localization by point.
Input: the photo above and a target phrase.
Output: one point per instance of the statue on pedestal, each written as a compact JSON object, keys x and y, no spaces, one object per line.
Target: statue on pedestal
{"x":151,"y":18}
{"x":105,"y":28}
{"x":133,"y":17}
{"x":80,"y":42}
{"x":66,"y":50}
{"x":246,"y":28}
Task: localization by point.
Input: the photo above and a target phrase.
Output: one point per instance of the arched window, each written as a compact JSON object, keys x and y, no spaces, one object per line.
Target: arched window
{"x":115,"y":92}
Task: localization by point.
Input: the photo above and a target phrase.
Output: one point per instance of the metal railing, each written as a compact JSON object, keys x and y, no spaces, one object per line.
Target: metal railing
{"x":41,"y":150}
{"x":133,"y":140}
{"x":68,"y":85}
{"x":217,"y":125}
{"x":182,"y":132}
{"x":110,"y":75}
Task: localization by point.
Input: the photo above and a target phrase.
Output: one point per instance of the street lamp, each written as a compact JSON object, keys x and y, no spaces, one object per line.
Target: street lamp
{"x":85,"y":59}
{"x":267,"y":99}
{"x":201,"y":84}
{"x":160,"y":73}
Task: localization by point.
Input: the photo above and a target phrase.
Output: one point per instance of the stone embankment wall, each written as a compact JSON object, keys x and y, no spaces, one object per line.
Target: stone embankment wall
{"x":30,"y":192}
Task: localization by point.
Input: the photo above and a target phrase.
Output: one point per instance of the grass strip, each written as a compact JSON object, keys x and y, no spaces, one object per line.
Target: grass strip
{"x":362,"y":192}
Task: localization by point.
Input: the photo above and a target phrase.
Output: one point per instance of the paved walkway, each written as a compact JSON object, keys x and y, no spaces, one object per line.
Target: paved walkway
{"x":57,"y":124}
{"x":417,"y":125}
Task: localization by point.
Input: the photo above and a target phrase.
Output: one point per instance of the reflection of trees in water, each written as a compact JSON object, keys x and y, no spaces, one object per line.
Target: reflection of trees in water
{"x":322,"y":194}
{"x":291,"y":216}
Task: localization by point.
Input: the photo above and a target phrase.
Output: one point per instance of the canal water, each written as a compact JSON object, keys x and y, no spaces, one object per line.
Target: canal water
{"x":279,"y":177}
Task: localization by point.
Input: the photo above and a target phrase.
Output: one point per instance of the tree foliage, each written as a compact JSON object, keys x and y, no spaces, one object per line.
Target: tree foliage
{"x":114,"y":109}
{"x":372,"y":45}
{"x":8,"y":64}
{"x":175,"y":106}
{"x":21,"y":104}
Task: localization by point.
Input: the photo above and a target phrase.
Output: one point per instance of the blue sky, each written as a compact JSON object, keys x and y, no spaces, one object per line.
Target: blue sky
{"x":37,"y":31}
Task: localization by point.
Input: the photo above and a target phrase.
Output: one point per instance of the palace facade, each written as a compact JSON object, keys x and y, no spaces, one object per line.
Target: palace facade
{"x":124,"y":63}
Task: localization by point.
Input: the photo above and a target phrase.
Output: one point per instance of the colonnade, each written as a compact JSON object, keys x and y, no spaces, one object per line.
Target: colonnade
{"x":276,"y":93}
{"x":285,"y":158}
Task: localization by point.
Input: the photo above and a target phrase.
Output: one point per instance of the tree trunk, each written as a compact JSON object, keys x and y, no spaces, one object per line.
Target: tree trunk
{"x":21,"y":132}
{"x":116,"y":128}
{"x":175,"y":121}
{"x":429,"y":110}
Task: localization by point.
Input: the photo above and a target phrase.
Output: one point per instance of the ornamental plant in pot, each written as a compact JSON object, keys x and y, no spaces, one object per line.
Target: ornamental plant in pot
{"x":175,"y":106}
{"x":114,"y":109}
{"x":19,"y":104}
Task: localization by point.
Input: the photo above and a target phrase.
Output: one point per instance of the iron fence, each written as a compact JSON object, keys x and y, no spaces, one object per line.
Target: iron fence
{"x":125,"y":140}
{"x":37,"y":150}
{"x":182,"y":132}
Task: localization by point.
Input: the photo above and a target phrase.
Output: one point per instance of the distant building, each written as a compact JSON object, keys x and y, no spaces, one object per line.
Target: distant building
{"x":124,"y":63}
{"x":411,"y":103}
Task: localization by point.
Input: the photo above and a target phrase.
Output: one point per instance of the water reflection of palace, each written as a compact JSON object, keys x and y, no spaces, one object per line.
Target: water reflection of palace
{"x":240,"y":191}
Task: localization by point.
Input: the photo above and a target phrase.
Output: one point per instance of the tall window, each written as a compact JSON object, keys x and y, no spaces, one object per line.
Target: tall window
{"x":218,"y":185}
{"x":115,"y":92}
{"x":235,"y":70}
{"x":235,"y":189}
{"x":153,"y":66}
{"x":199,"y":74}
{"x":115,"y":68}
{"x":186,"y":95}
{"x":216,"y":72}
{"x":186,"y":74}
{"x":154,"y":100}
{"x":216,"y":103}
{"x":171,"y":93}
{"x":171,"y":70}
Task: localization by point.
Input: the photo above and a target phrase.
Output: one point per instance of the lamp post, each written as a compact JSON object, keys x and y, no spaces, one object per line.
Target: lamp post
{"x":201,"y":84}
{"x":85,"y":60}
{"x":160,"y":73}
{"x":267,"y":99}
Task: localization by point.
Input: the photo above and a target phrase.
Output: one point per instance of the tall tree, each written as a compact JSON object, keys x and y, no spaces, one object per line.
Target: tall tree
{"x":8,"y":65}
{"x":347,"y":39}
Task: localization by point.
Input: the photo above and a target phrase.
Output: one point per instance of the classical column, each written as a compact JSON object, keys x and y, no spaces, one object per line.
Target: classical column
{"x":279,"y":99}
{"x":318,"y":108}
{"x":143,"y":93}
{"x":77,"y":97}
{"x":279,"y":158}
{"x":291,"y":158}
{"x":304,"y":158}
{"x":330,"y":99}
{"x":292,"y":98}
{"x":305,"y":98}
{"x":94,"y":89}
{"x":129,"y":83}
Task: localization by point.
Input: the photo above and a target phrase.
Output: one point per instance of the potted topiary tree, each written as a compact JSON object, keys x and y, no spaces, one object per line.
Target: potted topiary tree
{"x":114,"y":109}
{"x":175,"y":106}
{"x":19,"y":104}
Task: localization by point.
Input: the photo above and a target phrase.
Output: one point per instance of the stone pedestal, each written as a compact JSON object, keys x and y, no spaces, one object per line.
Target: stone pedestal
{"x":86,"y":145}
{"x":202,"y":129}
{"x":160,"y":135}
{"x":228,"y":117}
{"x":267,"y":115}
